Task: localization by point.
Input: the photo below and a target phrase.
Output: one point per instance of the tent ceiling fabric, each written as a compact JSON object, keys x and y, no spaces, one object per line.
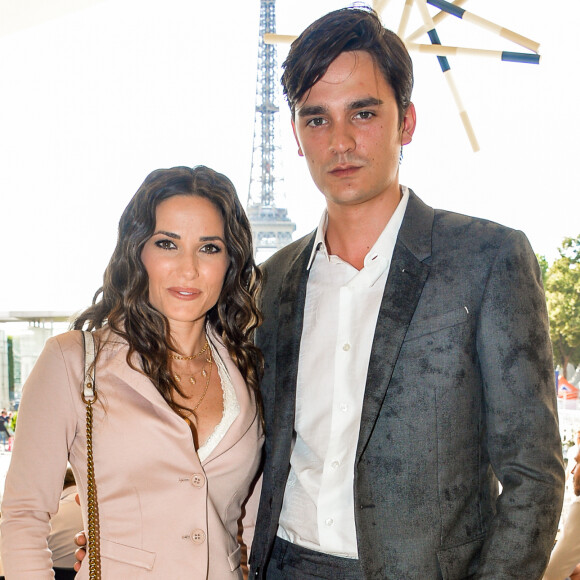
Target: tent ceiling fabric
{"x":17,"y":15}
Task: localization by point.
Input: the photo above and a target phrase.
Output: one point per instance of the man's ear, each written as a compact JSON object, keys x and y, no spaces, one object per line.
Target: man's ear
{"x":296,"y":137}
{"x":408,"y":125}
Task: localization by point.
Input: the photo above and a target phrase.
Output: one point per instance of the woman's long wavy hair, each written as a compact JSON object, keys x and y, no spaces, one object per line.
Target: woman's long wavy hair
{"x":123,"y":301}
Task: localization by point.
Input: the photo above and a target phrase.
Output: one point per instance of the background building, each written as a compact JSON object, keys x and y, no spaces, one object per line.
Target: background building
{"x":22,"y":337}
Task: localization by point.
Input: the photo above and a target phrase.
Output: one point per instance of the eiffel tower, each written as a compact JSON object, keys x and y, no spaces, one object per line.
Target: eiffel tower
{"x":272,"y":229}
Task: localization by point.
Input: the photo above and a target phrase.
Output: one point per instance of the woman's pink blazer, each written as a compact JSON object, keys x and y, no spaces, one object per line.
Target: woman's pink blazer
{"x":163,"y":514}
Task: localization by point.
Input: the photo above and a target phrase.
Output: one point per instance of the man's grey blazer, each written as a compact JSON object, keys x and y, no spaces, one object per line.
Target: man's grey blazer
{"x":459,"y":394}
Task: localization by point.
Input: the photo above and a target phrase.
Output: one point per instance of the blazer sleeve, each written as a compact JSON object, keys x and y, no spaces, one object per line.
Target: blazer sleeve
{"x":251,"y":510}
{"x":45,"y":430}
{"x":522,"y":435}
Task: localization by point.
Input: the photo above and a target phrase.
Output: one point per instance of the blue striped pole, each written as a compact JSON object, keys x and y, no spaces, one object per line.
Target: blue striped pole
{"x":436,"y":20}
{"x":483,"y":23}
{"x":404,"y":18}
{"x":443,"y":62}
{"x":448,"y":7}
{"x":446,"y":68}
{"x":442,"y":50}
{"x":520,"y":57}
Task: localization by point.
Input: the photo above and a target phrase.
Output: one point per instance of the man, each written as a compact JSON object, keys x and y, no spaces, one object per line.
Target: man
{"x":565,"y":558}
{"x":571,"y":455}
{"x":408,"y":363}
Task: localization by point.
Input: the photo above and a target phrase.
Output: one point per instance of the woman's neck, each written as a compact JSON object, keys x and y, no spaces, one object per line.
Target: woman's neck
{"x":189,"y":339}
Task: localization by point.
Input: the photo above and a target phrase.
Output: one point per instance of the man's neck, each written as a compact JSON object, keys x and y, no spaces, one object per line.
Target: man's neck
{"x":354,"y":229}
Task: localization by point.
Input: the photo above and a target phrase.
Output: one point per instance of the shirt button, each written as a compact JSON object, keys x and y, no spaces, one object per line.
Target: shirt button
{"x":197,"y":480}
{"x":198,"y":536}
{"x":329,"y":522}
{"x":334,"y":464}
{"x":344,"y":407}
{"x":346,"y":347}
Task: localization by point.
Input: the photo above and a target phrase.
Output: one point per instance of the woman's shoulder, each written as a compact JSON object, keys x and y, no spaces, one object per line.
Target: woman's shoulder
{"x":73,"y":340}
{"x":70,"y":341}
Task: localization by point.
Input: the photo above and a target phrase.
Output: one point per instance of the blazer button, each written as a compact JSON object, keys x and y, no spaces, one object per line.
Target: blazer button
{"x":197,"y":480}
{"x":198,"y":536}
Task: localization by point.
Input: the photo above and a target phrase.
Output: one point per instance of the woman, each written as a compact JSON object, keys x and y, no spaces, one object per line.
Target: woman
{"x":177,"y":432}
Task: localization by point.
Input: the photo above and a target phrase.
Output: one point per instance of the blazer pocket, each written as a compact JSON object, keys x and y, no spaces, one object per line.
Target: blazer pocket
{"x":431,"y":324}
{"x":235,"y":558}
{"x":460,"y":561}
{"x":127,"y":554}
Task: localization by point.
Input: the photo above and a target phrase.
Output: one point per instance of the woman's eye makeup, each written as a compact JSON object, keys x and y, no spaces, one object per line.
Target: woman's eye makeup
{"x":165,"y":244}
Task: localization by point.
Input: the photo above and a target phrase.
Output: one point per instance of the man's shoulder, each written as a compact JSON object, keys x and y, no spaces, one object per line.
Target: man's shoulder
{"x":283,"y":257}
{"x":473,"y":233}
{"x":446,"y":221}
{"x":448,"y":218}
{"x":451,"y":231}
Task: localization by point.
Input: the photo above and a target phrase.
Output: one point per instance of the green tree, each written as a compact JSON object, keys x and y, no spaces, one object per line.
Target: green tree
{"x":562,"y":284}
{"x":544,"y":267}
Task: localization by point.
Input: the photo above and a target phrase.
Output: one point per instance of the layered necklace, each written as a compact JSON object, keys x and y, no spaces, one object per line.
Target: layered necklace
{"x":205,"y":372}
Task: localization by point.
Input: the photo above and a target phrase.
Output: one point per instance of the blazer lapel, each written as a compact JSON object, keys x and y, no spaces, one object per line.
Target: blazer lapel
{"x":114,"y":356}
{"x":290,"y":319}
{"x":248,"y":410}
{"x":117,"y":364}
{"x":403,"y":288}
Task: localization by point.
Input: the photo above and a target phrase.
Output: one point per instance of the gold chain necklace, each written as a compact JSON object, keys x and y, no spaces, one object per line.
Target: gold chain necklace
{"x":205,"y":373}
{"x":210,"y":361}
{"x":179,"y":357}
{"x":192,"y":376}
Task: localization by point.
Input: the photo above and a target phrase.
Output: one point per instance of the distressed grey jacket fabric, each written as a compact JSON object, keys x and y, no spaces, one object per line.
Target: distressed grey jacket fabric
{"x":459,"y":394}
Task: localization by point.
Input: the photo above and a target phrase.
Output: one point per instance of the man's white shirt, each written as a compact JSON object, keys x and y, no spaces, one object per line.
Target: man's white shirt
{"x":340,"y":316}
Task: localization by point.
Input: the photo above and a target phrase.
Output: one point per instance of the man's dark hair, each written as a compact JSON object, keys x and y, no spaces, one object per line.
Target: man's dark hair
{"x":347,"y":30}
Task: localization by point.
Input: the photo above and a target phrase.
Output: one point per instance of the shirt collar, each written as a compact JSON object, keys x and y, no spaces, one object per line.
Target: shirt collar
{"x":385,"y":243}
{"x":319,"y":243}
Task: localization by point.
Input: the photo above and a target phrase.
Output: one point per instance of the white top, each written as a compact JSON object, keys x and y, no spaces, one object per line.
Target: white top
{"x":231,"y":409}
{"x":340,"y":315}
{"x":566,"y":555}
{"x":65,"y":524}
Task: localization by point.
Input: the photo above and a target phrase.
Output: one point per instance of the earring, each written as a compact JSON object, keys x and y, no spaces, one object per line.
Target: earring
{"x":401,"y":156}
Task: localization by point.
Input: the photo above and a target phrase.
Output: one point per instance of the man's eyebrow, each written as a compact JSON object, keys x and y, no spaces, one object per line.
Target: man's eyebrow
{"x":314,"y":110}
{"x":363,"y":103}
